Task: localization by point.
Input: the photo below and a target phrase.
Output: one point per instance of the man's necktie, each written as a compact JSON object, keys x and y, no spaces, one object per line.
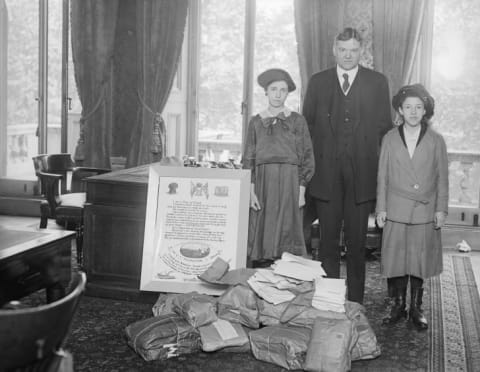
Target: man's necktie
{"x":345,"y":84}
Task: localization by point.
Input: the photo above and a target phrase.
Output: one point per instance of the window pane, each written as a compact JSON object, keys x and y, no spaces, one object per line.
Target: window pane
{"x":54,"y":75}
{"x":275,"y":47}
{"x":221,"y":78}
{"x":455,"y":78}
{"x":22,"y":87}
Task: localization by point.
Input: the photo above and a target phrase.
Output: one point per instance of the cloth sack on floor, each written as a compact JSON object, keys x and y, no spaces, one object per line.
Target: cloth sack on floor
{"x":164,"y":304}
{"x":366,"y":346}
{"x":329,"y":349}
{"x":301,"y":313}
{"x":270,"y":314}
{"x":239,"y":304}
{"x":197,"y":309}
{"x":221,"y":334}
{"x":162,"y":337}
{"x":281,"y":345}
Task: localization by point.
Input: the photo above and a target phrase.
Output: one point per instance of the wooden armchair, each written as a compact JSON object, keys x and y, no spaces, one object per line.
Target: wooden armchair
{"x":64,"y":191}
{"x":33,"y":338}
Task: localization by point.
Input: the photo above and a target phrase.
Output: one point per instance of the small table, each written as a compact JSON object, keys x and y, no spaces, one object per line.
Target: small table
{"x":32,"y":259}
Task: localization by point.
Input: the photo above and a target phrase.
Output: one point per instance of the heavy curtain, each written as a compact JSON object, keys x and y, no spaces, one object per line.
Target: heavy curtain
{"x":316,"y":24}
{"x":3,"y":86}
{"x":402,"y":40}
{"x":160,"y":30}
{"x":93,"y":26}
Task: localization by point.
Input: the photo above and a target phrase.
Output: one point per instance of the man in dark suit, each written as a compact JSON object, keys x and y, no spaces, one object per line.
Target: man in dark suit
{"x":347,"y":109}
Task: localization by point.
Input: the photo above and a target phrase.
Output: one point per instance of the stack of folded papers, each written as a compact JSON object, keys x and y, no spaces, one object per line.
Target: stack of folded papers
{"x":268,"y":291}
{"x":330,"y":294}
{"x":298,"y":267}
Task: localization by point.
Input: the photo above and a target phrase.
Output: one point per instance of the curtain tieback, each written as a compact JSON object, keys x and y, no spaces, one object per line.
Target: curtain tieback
{"x":158,"y":131}
{"x":84,"y":118}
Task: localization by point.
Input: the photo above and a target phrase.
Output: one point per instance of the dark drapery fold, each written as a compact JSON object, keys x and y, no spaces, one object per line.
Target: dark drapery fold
{"x":160,"y":31}
{"x":400,"y":40}
{"x":316,"y":24}
{"x":93,"y":26}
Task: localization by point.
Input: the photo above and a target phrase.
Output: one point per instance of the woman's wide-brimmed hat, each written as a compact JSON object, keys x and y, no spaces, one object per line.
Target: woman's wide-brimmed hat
{"x":275,"y":74}
{"x":415,"y":90}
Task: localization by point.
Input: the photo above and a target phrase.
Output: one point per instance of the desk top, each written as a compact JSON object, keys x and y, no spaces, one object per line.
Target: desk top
{"x":17,"y":240}
{"x":130,"y":175}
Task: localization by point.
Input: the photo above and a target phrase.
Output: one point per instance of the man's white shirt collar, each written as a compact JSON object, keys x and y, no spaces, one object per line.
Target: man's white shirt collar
{"x":351,"y":75}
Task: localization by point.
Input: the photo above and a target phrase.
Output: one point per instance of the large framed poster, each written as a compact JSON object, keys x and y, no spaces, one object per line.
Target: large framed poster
{"x":194,"y":215}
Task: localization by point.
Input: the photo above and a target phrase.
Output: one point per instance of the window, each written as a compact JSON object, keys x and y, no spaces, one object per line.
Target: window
{"x":223,"y":53}
{"x":31,"y":52}
{"x":455,"y":77}
{"x":22,"y":71}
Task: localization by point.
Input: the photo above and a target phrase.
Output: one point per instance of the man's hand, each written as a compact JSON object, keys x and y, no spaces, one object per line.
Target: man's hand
{"x":440,"y":218}
{"x":381,"y":218}
{"x":301,"y":197}
{"x":254,"y":203}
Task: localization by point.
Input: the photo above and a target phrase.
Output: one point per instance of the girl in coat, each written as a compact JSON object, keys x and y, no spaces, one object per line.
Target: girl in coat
{"x":412,"y":203}
{"x":278,"y":151}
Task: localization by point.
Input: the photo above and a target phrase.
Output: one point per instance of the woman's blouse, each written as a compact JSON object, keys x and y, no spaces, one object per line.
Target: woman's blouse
{"x":281,"y":139}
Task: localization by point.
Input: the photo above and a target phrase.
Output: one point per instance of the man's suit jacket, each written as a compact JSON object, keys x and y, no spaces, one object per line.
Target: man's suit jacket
{"x":411,"y":190}
{"x":373,"y":121}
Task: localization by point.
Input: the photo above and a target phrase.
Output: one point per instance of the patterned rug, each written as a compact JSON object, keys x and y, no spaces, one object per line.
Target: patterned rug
{"x":454,"y":334}
{"x":451,"y":303}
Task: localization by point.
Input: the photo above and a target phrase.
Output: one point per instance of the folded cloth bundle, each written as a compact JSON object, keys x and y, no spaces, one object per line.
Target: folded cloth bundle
{"x":300,"y":312}
{"x":239,"y":304}
{"x":221,"y":334}
{"x":281,"y":345}
{"x":270,"y":314}
{"x":330,"y":345}
{"x":162,"y":337}
{"x":366,"y":346}
{"x":197,"y":309}
{"x":164,"y":304}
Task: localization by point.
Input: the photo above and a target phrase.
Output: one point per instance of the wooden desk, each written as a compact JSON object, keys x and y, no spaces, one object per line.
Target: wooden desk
{"x":32,"y":259}
{"x":114,"y":224}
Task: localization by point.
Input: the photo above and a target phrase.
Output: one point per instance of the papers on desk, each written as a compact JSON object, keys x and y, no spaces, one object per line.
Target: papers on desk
{"x":329,"y":294}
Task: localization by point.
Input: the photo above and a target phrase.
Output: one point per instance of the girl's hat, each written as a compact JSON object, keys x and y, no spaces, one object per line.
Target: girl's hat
{"x":415,"y":90}
{"x":275,"y":74}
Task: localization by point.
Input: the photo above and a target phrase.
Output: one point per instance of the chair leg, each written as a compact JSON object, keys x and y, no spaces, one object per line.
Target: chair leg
{"x":44,"y":213}
{"x":79,"y":243}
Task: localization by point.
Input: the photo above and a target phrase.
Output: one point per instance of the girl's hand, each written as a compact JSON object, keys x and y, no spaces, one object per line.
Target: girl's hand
{"x":254,"y":203}
{"x":301,"y":197}
{"x":381,"y":218}
{"x":440,"y":218}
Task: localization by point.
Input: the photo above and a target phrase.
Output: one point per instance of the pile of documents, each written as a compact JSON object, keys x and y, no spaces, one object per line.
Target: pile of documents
{"x":298,"y":267}
{"x":329,"y":294}
{"x":287,"y":279}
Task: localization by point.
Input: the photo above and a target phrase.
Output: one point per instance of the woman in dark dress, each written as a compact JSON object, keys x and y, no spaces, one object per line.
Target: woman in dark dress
{"x":278,"y":151}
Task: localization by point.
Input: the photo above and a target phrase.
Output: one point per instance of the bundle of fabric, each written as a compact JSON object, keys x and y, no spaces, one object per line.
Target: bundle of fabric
{"x":300,"y":312}
{"x":239,"y":304}
{"x":330,"y":345}
{"x":222,"y":334}
{"x":281,"y":345}
{"x":163,"y":337}
{"x":197,"y":309}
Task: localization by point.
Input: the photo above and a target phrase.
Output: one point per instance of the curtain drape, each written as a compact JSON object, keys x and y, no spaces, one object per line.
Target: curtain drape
{"x":93,"y":32}
{"x":402,"y":40}
{"x":160,"y":30}
{"x":316,"y":24}
{"x":3,"y":86}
